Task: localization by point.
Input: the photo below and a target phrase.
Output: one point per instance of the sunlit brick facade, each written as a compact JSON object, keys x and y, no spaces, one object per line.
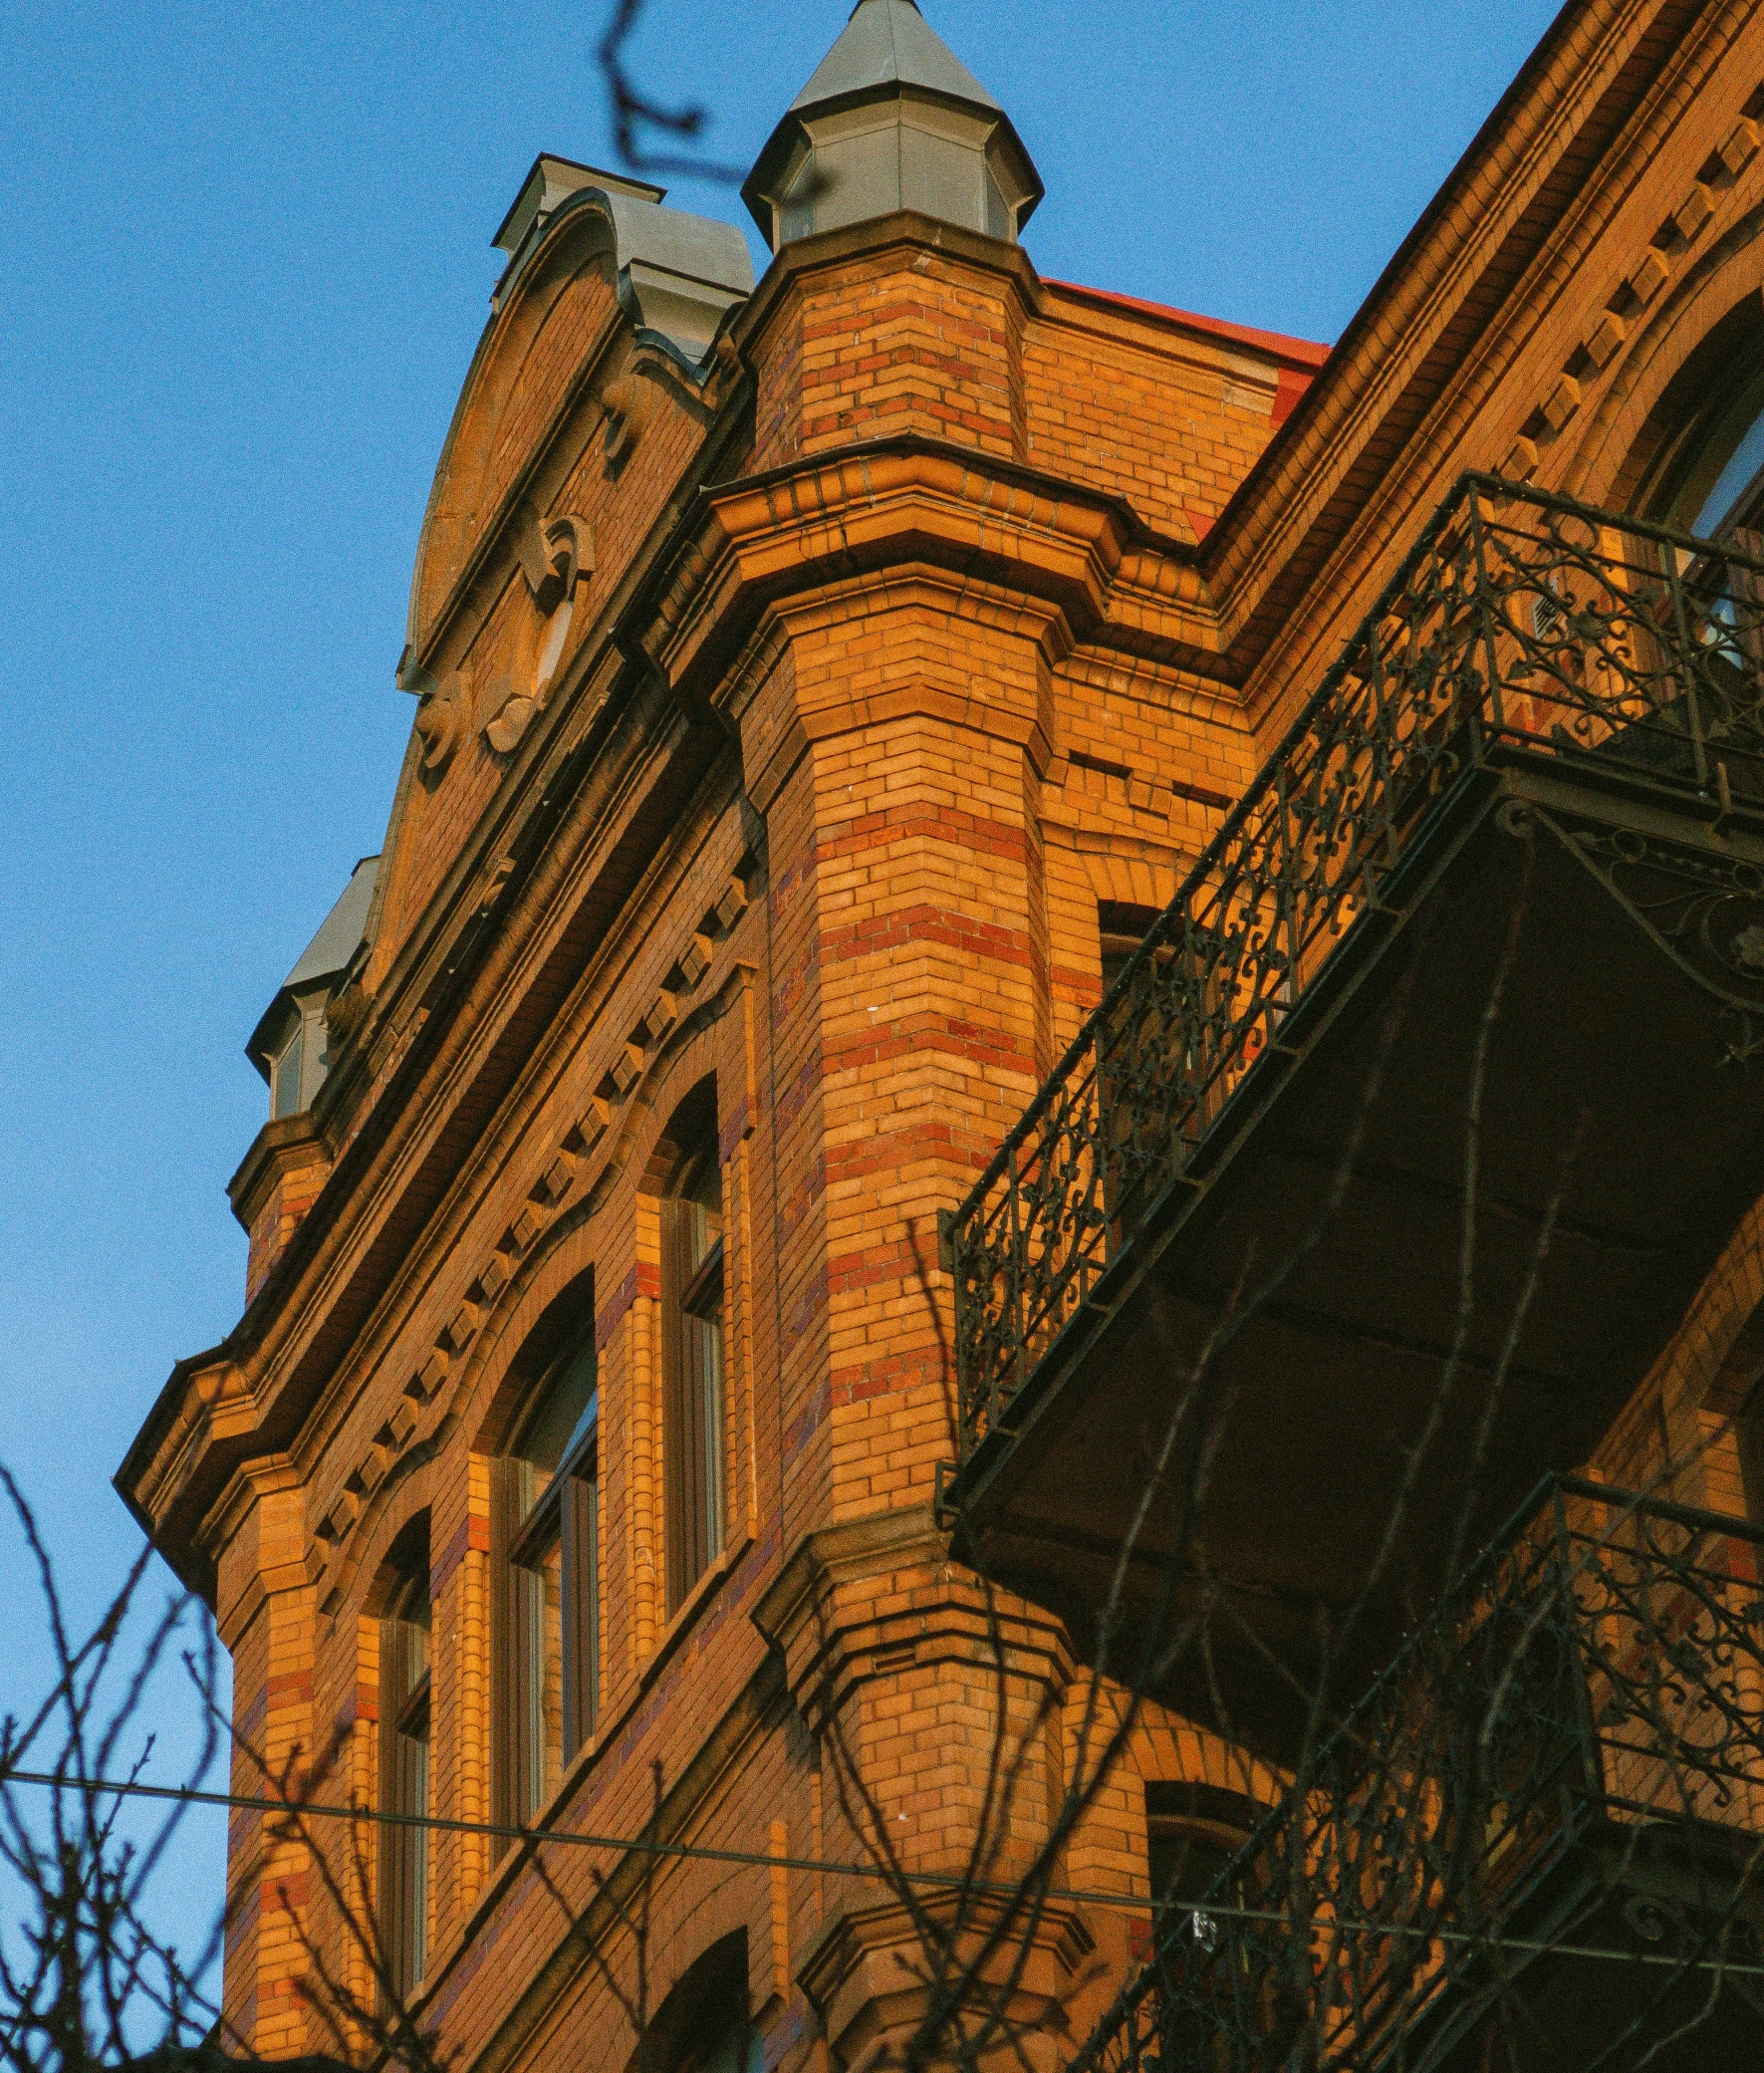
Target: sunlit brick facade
{"x":813,"y":678}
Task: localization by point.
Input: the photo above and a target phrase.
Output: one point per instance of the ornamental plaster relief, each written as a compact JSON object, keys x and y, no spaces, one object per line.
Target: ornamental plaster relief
{"x":557,"y":559}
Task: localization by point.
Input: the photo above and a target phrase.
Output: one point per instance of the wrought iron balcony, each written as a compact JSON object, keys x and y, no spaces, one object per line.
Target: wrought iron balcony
{"x":1534,"y":779}
{"x":1546,"y":1812}
{"x":1519,"y":622}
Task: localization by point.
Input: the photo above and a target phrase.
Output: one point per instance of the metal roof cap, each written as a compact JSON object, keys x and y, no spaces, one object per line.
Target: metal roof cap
{"x":889,"y":53}
{"x":888,"y":42}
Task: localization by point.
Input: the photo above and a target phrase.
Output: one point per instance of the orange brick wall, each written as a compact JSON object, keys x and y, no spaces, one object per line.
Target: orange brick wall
{"x":920,"y":758}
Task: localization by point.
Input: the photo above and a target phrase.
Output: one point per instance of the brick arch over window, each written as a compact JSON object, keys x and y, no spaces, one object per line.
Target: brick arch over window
{"x":554,"y":1306}
{"x":383,"y":1517}
{"x":1706,"y":1390}
{"x":555,"y":1259}
{"x":1643,"y":406}
{"x":481,"y":1388}
{"x":1724,"y":362}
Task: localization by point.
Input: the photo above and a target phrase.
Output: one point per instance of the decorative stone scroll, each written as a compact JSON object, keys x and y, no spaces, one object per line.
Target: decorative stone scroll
{"x":556,"y":556}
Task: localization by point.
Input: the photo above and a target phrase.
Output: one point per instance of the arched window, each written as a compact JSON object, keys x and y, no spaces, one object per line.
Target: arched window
{"x":1192,"y":1833}
{"x":1710,"y":480}
{"x":692,"y":1346}
{"x":402,"y":1882}
{"x":1121,"y":928}
{"x":548,"y":1560}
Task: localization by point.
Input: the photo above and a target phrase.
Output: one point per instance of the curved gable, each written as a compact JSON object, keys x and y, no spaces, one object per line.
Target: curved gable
{"x":583,"y":404}
{"x":561,"y":309}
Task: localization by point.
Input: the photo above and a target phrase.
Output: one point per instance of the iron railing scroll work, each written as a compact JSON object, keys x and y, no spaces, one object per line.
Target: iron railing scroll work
{"x":1521,"y":630}
{"x":1563,"y":1765}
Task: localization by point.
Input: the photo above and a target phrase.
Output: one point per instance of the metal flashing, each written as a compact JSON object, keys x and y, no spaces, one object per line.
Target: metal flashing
{"x":679,"y":274}
{"x":339,"y":933}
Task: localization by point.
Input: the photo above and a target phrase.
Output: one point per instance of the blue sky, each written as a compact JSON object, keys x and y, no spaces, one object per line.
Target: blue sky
{"x":247,"y":256}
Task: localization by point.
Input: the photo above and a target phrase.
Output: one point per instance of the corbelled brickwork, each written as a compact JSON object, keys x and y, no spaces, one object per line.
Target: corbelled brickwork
{"x":937,"y":614}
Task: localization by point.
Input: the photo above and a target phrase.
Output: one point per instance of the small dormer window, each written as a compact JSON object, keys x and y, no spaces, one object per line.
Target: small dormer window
{"x":290,"y":1045}
{"x":285,"y":1075}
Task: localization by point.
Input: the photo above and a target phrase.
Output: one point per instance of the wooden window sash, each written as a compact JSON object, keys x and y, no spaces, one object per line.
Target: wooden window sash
{"x":692,"y":1355}
{"x":412,"y":1717}
{"x":404,"y":1789}
{"x":702,"y":1296}
{"x":564,"y":1516}
{"x":676,"y":1451}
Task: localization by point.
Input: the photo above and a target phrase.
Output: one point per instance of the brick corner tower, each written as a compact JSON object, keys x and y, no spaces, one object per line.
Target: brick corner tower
{"x":816,"y":685}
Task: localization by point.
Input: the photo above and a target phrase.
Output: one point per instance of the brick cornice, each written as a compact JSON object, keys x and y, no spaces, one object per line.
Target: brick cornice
{"x":405,"y":1161}
{"x":836,"y":517}
{"x":835,"y":1630}
{"x":287,"y":1144}
{"x":1361,"y":460}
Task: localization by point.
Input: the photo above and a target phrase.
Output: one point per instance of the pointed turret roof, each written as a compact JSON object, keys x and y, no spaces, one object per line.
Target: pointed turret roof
{"x":888,"y":54}
{"x":888,"y":42}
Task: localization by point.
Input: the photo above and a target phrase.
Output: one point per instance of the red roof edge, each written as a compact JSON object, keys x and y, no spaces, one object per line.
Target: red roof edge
{"x":1300,"y":352}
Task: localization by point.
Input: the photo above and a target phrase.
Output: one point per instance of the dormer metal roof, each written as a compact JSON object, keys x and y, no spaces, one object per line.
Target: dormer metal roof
{"x":327,"y":957}
{"x":888,"y":42}
{"x":679,"y":274}
{"x":341,"y":932}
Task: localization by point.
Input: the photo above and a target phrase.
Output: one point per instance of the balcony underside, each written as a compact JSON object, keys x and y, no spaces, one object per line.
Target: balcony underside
{"x":1676,"y":1904}
{"x":1318,"y":1247}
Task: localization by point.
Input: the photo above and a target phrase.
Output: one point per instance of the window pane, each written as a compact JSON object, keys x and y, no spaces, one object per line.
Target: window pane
{"x":691,"y":1278}
{"x":402,"y":1852}
{"x":703,"y":1197}
{"x":711,"y":1358}
{"x":558,"y":1416}
{"x":537,"y":1609}
{"x":285,"y":1087}
{"x":1185,"y":1862}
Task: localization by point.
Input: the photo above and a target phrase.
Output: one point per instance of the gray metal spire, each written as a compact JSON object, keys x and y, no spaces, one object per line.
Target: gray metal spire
{"x":890,"y":43}
{"x":891,"y":120}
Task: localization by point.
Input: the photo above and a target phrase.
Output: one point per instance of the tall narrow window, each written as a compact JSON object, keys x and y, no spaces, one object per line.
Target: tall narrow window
{"x":692,"y":1298}
{"x":403,"y":1759}
{"x":551,"y":1627}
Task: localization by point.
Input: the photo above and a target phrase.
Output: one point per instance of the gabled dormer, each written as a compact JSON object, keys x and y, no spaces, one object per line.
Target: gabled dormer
{"x":293,"y":1047}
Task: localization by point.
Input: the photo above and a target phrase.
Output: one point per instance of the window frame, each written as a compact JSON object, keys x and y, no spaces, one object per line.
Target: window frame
{"x":1189,"y":1814}
{"x":695,"y":1371}
{"x":564,"y":1517}
{"x":1119,"y":934}
{"x":404,"y":1689}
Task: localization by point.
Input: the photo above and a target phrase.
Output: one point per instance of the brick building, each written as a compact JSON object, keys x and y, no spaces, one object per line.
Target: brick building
{"x":821,"y":686}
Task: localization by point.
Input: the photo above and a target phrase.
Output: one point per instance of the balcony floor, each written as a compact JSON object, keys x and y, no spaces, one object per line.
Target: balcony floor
{"x":1332,"y":1377}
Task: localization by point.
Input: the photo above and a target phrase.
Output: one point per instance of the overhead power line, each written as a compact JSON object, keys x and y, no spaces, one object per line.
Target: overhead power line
{"x":255,"y":1803}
